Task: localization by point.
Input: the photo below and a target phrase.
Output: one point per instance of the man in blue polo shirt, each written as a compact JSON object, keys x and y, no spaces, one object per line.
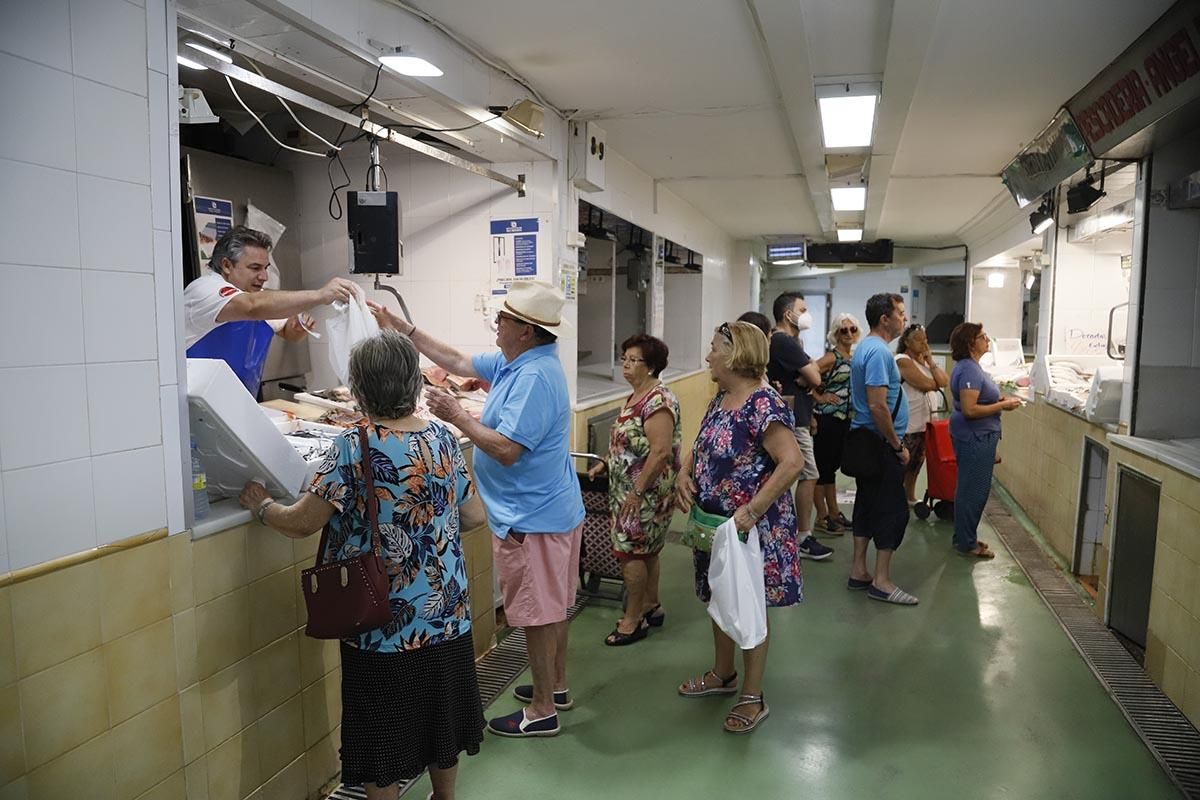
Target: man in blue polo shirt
{"x":524,"y":474}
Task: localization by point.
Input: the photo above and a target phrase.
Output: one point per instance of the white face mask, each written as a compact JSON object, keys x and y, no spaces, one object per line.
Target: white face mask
{"x":804,"y":321}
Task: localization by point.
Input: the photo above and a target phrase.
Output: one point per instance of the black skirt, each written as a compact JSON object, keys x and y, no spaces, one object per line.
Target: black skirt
{"x":403,"y":712}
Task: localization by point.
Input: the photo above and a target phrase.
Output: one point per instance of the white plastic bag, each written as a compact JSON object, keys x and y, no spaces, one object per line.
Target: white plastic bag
{"x":739,"y":597}
{"x":348,"y":325}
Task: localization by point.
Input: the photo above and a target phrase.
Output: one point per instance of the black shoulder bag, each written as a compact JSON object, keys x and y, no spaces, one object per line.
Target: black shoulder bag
{"x":864,"y":449}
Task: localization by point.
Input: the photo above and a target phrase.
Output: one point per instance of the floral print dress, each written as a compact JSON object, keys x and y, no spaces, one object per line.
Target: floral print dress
{"x":628,"y":449}
{"x":729,"y":466}
{"x":421,"y":480}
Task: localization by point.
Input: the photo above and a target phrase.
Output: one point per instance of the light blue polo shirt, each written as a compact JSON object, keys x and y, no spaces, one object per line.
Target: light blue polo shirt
{"x":529,"y":404}
{"x":874,"y":365}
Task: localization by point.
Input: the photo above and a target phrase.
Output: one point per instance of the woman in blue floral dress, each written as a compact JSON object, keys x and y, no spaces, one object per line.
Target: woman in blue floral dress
{"x":742,"y":466}
{"x":410,"y":699}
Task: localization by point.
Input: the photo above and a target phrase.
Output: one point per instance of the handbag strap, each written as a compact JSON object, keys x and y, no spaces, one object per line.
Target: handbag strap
{"x":372,"y":509}
{"x":372,"y":501}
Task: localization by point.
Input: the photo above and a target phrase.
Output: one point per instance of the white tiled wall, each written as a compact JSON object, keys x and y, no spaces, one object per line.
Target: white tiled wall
{"x":88,"y":262}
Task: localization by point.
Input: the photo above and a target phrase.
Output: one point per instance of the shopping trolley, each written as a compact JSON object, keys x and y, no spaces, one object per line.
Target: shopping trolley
{"x":941,"y":469}
{"x":598,"y":566}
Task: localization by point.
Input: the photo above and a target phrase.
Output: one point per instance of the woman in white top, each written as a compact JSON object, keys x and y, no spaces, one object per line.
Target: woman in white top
{"x":920,"y":375}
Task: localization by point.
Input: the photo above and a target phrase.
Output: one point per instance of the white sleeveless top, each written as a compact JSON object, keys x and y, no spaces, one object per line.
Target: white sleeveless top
{"x":918,"y":401}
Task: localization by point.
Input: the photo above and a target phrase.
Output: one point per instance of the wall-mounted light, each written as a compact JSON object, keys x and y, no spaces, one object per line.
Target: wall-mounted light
{"x":405,"y":61}
{"x":847,"y":113}
{"x":849,"y":198}
{"x":528,"y":116}
{"x":210,"y":51}
{"x":1040,"y":220}
{"x":187,"y":62}
{"x":849,"y":234}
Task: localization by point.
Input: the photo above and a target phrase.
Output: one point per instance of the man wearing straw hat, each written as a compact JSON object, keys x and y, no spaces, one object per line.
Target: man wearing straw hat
{"x":525,"y":476}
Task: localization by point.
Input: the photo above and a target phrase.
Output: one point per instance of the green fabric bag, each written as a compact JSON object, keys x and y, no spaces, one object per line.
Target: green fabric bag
{"x":701,"y":526}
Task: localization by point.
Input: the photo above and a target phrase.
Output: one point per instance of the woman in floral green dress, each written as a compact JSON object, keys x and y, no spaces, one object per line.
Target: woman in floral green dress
{"x":643,"y":460}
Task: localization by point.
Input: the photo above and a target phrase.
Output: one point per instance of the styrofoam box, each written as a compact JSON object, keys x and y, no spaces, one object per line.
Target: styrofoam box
{"x":237,"y":442}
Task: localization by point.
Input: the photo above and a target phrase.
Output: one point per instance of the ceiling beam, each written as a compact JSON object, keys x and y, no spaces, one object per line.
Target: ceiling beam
{"x":914,"y":23}
{"x":778,"y":26}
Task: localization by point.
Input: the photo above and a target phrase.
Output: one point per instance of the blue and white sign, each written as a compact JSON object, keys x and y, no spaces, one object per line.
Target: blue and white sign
{"x":518,"y":247}
{"x":214,"y":218}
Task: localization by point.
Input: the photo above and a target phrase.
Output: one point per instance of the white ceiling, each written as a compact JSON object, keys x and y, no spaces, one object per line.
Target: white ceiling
{"x":716,"y":96}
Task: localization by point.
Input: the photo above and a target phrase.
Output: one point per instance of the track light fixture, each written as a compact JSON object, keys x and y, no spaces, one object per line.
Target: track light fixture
{"x":1042,"y":219}
{"x":1084,"y":194}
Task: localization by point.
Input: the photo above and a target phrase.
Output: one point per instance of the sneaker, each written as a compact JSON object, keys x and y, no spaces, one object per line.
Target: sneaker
{"x":518,"y":725}
{"x":562,"y":700}
{"x":811,"y":548}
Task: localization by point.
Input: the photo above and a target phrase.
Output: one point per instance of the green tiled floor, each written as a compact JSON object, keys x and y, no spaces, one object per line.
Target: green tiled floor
{"x":976,"y":693}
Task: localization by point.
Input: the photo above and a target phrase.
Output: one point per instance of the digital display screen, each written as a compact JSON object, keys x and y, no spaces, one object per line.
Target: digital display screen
{"x":779,"y":252}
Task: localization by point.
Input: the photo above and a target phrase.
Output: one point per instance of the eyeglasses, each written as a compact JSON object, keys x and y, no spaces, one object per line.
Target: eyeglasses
{"x":724,"y":331}
{"x":632,"y":360}
{"x":848,"y":331}
{"x":501,"y":315}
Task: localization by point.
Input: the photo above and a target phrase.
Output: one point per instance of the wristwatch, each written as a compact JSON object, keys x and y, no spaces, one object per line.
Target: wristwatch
{"x":261,"y":511}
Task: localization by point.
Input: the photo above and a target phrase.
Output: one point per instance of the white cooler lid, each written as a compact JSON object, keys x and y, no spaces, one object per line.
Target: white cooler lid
{"x":237,"y":442}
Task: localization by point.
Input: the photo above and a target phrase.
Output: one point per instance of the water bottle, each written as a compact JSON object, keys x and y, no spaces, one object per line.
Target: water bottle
{"x":199,"y":484}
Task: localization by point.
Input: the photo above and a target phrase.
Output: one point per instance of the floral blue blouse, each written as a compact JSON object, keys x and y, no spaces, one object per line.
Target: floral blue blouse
{"x":421,"y":480}
{"x":730,"y":466}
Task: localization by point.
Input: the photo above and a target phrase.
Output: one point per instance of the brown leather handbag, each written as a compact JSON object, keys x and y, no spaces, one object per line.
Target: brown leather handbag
{"x":345,"y":598}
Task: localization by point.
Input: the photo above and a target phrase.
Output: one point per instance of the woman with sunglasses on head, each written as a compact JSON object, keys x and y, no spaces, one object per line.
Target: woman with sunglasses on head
{"x":643,"y":459}
{"x":975,"y":433}
{"x":921,"y":375}
{"x":833,"y":420}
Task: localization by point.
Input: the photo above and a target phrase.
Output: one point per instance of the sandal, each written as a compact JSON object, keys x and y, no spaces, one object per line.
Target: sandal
{"x":743,"y":723}
{"x":981,"y":551}
{"x":619,"y":639}
{"x":701,"y":687}
{"x":655,"y":616}
{"x":845,"y":523}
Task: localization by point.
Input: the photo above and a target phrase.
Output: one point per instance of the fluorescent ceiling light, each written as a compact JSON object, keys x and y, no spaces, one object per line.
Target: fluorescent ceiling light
{"x":187,"y":62}
{"x":996,"y":280}
{"x":787,"y":262}
{"x":849,"y":234}
{"x":847,"y":120}
{"x":1029,"y":279}
{"x":849,"y":198}
{"x":412,"y":66}
{"x":217,"y":54}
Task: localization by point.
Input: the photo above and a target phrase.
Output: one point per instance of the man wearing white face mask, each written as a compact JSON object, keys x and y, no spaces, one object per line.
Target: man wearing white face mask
{"x":791,"y":368}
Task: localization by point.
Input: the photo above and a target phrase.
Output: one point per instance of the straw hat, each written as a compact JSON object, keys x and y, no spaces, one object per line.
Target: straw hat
{"x":536,"y":303}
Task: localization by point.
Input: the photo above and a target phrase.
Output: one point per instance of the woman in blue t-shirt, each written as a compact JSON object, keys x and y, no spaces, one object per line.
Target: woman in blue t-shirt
{"x":975,"y":431}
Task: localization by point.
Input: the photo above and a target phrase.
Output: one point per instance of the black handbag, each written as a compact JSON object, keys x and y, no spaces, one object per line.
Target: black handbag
{"x":864,"y":450}
{"x":345,"y":598}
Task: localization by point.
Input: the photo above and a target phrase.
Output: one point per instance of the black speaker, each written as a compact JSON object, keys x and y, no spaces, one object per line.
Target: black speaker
{"x":877,"y":252}
{"x":373,"y":224}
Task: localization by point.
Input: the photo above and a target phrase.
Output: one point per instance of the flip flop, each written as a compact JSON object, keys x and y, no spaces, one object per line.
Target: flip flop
{"x":897,"y":596}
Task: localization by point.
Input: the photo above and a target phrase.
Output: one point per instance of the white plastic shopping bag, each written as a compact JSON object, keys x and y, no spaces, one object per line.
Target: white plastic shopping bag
{"x":739,"y":598}
{"x":348,"y":325}
{"x":259,"y":220}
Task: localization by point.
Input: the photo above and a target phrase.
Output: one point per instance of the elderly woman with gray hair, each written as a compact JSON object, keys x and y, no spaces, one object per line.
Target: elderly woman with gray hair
{"x":410,"y":700}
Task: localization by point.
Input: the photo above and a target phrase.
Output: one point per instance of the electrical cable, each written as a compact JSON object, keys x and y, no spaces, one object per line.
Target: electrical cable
{"x":336,"y":154}
{"x":449,"y":130}
{"x":382,"y":172}
{"x":475,"y":51}
{"x":264,"y":127}
{"x":283,"y":103}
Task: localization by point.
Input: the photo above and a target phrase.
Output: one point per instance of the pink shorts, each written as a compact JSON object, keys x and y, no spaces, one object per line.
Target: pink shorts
{"x":538,"y":576}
